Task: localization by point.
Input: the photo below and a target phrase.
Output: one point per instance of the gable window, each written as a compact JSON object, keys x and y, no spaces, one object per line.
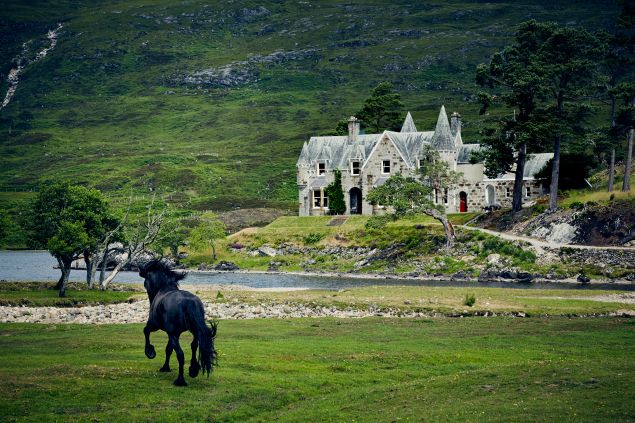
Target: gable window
{"x":385,"y":166}
{"x":319,"y":199}
{"x":321,"y":168}
{"x":355,"y":167}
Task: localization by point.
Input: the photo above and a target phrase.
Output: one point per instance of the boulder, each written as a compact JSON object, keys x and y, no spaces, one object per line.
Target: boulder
{"x":226,"y":266}
{"x":268,"y":251}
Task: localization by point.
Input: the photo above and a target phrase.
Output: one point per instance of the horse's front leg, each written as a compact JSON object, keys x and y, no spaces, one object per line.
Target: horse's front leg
{"x":150,"y":352}
{"x":174,"y":340}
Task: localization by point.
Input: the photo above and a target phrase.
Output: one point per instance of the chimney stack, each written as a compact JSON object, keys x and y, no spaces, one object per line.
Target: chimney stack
{"x":353,"y":129}
{"x":455,"y":124}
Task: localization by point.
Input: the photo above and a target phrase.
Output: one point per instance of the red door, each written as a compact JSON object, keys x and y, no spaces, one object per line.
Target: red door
{"x":462,"y":202}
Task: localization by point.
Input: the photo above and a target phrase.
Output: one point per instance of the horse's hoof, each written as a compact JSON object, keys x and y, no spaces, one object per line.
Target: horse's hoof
{"x":180,"y":382}
{"x":193,"y":370}
{"x":165,"y":369}
{"x":150,"y":352}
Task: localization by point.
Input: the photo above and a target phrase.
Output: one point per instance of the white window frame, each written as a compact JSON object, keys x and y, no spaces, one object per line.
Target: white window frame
{"x":317,"y":197}
{"x":528,"y":191}
{"x":383,"y":167}
{"x":359,"y":167}
{"x":321,"y":171}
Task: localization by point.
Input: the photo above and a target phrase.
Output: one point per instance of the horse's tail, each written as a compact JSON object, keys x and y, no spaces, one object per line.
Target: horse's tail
{"x":207,"y":355}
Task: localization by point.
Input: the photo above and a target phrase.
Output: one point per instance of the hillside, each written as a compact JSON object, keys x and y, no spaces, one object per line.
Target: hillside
{"x":209,"y":103}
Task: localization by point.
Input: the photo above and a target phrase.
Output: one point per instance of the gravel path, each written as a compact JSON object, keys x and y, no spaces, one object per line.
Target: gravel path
{"x":137,"y":312}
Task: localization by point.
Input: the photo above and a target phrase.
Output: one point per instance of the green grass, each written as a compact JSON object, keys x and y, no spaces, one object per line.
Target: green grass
{"x":43,"y":294}
{"x":474,"y":369}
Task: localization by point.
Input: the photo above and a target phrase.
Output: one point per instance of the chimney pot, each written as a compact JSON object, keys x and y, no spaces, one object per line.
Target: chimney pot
{"x":353,"y":128}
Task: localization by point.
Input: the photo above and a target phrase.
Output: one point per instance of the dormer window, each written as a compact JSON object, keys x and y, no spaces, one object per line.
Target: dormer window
{"x":321,"y":168}
{"x":355,"y":167}
{"x":385,"y":166}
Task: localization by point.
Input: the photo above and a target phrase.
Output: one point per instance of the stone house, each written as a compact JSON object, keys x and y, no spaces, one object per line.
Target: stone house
{"x":367,"y":161}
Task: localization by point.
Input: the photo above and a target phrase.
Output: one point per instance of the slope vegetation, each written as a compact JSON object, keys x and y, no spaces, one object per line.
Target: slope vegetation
{"x":209,"y":103}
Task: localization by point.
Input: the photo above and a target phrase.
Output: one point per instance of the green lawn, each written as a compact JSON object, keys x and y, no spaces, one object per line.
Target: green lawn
{"x":472,"y":369}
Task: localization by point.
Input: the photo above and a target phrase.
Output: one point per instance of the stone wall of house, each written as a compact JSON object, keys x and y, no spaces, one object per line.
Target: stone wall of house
{"x":373,"y":170}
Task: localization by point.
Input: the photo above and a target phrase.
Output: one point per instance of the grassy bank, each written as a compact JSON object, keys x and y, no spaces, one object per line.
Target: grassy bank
{"x":413,"y":247}
{"x":43,"y":294}
{"x":497,"y":369}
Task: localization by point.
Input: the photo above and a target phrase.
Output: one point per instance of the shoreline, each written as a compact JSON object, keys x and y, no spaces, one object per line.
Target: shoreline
{"x":444,"y":278}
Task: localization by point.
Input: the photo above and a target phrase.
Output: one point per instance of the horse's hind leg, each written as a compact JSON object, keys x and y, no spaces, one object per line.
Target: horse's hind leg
{"x":180,"y":380}
{"x":194,"y":366}
{"x":168,"y":353}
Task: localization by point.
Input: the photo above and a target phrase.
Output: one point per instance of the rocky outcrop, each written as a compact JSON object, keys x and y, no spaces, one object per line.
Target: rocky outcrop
{"x":241,"y":72}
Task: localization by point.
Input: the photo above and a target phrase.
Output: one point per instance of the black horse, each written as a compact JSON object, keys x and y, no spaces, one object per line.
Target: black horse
{"x":175,"y":311}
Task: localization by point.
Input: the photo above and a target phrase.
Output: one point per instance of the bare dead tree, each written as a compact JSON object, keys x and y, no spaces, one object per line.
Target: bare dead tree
{"x":139,"y":238}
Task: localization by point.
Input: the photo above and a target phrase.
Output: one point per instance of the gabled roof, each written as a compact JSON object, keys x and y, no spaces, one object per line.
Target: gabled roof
{"x":408,"y":124}
{"x":338,"y":151}
{"x":442,"y":139}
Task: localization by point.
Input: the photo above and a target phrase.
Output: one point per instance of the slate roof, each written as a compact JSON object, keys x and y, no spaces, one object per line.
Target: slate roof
{"x":442,"y":139}
{"x":408,"y":124}
{"x":338,"y":151}
{"x":465,"y":151}
{"x":535,"y":163}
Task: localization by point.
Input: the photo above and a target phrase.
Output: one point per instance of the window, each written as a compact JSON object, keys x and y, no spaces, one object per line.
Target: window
{"x":508,"y":192}
{"x":321,"y":168}
{"x":436,"y":196}
{"x":319,"y":201}
{"x":445,"y":196}
{"x":385,"y":166}
{"x":528,"y":191}
{"x":355,"y":167}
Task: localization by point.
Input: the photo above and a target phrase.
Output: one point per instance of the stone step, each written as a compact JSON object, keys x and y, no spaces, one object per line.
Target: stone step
{"x":337,"y":220}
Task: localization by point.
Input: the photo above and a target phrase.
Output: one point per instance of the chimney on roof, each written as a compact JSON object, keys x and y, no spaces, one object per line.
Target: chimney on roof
{"x":455,"y":124}
{"x":353,"y":128}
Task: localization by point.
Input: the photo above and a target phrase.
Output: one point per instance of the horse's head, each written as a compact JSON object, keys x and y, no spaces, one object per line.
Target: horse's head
{"x":157,"y":276}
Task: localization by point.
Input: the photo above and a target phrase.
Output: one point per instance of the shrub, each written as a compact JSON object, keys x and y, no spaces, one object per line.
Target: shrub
{"x":576,"y":205}
{"x":313,"y":238}
{"x":470,"y":300}
{"x":538,"y":208}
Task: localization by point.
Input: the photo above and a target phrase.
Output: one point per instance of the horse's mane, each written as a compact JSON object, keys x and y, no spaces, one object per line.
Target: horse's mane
{"x":170,"y":277}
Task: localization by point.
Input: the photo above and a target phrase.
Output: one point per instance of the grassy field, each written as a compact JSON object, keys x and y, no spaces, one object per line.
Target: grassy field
{"x":471,"y":369}
{"x":443,"y":300}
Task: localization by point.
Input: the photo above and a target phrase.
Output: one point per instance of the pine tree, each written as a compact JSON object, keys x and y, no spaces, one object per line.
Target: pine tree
{"x":335,"y":195}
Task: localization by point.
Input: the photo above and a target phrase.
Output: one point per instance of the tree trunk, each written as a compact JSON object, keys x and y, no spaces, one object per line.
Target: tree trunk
{"x":59,"y":283}
{"x":66,"y":271}
{"x":104,"y":285}
{"x":517,"y":199}
{"x":626,"y":184}
{"x":555,"y":173}
{"x":450,"y":235}
{"x":612,"y":170}
{"x":213,"y":252}
{"x":102,"y":273}
{"x":89,"y":269}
